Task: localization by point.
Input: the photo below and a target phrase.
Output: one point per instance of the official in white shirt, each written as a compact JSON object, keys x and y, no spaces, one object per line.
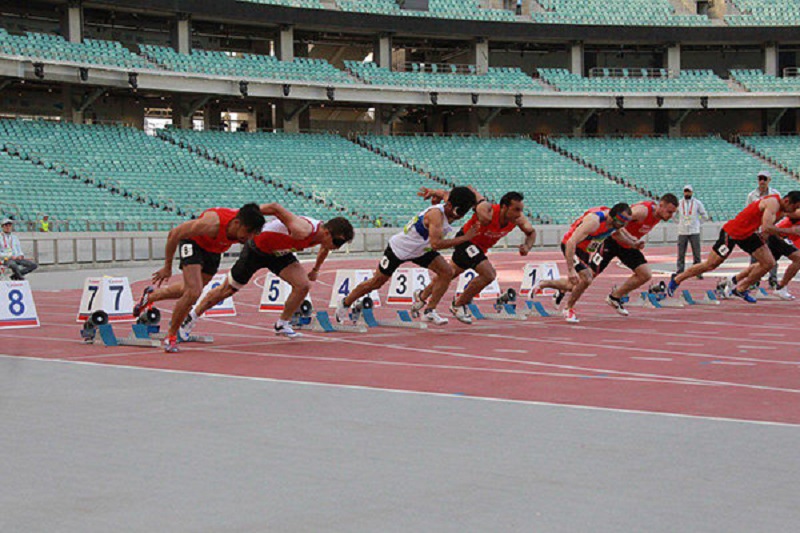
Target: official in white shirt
{"x":11,"y":252}
{"x":763,"y":189}
{"x":691,"y":212}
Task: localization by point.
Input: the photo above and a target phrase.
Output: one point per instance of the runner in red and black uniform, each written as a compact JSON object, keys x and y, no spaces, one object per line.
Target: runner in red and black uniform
{"x":787,"y":245}
{"x":743,"y":231}
{"x":493,"y":222}
{"x":645,"y":216}
{"x":580,"y":247}
{"x":274,"y":248}
{"x":200,"y":244}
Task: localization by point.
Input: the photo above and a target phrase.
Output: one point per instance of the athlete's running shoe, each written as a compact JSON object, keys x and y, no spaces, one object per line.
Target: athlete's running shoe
{"x":558,"y":297}
{"x":185,"y":331}
{"x":570,"y":316}
{"x":342,"y":313}
{"x":284,"y":328}
{"x":431,"y":315}
{"x":672,"y":286}
{"x":461,"y":313}
{"x":171,"y":344}
{"x":783,"y":294}
{"x":143,"y":302}
{"x":617,"y":304}
{"x":744,"y":295}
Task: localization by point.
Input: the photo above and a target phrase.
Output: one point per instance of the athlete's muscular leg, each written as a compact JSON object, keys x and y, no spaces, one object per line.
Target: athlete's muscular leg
{"x":486,"y":275}
{"x":792,"y":269}
{"x":640,"y":276}
{"x":713,"y":261}
{"x":374,"y":283}
{"x":193,"y":282}
{"x":170,"y":292}
{"x":426,"y":292}
{"x":562,"y":284}
{"x":444,"y":275}
{"x":765,"y":263}
{"x":296,"y":276}
{"x":578,"y":290}
{"x":214,"y":296}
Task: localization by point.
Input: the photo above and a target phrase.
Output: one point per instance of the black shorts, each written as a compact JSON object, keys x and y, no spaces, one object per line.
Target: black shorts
{"x":390,"y":262}
{"x":191,"y":253}
{"x":725,"y":244}
{"x":780,"y":247}
{"x":582,"y":259}
{"x":467,"y":255}
{"x":630,"y":257}
{"x":251,"y":260}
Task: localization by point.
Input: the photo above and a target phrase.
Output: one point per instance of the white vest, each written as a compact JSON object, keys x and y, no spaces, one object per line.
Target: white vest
{"x":414,"y":241}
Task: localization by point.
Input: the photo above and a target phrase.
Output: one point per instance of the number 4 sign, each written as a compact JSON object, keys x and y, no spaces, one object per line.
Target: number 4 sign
{"x":17,"y":309}
{"x":346,"y":281}
{"x":112,"y":295}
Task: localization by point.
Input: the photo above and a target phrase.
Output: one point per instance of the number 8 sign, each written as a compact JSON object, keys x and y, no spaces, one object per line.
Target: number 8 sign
{"x":17,"y":309}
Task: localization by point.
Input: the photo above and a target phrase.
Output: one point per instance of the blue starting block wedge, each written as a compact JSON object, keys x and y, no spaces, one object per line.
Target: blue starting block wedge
{"x":324,"y":321}
{"x":712,"y":295}
{"x":369,"y":318}
{"x":144,"y":331}
{"x":537,"y":307}
{"x":476,"y":312}
{"x":654,"y":301}
{"x":510,"y":309}
{"x":688,"y":297}
{"x":109,"y":338}
{"x":405,"y":321}
{"x":404,"y":316}
{"x":708,"y":299}
{"x":107,"y":335}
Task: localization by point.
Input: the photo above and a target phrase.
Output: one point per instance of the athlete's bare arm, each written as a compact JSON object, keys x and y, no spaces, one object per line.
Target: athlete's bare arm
{"x":639,"y":213}
{"x":794,"y":230}
{"x":484,"y":211}
{"x":771,"y":206}
{"x":207,"y":225}
{"x":321,"y":256}
{"x":436,"y":196}
{"x":299,"y":228}
{"x":530,"y":235}
{"x":588,"y":225}
{"x":434,"y":220}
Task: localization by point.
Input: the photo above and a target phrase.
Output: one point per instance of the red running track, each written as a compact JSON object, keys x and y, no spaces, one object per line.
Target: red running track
{"x":737,"y":360}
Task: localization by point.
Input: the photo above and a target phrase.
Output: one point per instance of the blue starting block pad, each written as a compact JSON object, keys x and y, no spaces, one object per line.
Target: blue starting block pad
{"x":509,"y":312}
{"x":404,"y":321}
{"x":710,"y":298}
{"x":109,"y":338}
{"x":321,"y":322}
{"x":537,"y":307}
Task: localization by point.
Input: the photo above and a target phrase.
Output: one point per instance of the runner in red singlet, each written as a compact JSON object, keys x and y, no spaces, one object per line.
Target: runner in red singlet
{"x":784,"y":245}
{"x":493,"y":222}
{"x":743,"y":231}
{"x":200,"y":243}
{"x":580,"y":246}
{"x":274,"y":248}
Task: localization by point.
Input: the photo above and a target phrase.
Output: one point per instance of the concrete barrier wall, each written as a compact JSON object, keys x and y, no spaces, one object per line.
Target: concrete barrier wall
{"x":77,"y":249}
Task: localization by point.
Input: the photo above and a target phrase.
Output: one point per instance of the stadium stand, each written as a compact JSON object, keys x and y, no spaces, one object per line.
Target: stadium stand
{"x":783,"y":151}
{"x":635,"y":80}
{"x":556,"y":188}
{"x":216,"y":63}
{"x":755,"y":80}
{"x":164,"y":175}
{"x":615,"y":12}
{"x":451,"y":9}
{"x":722,"y":174}
{"x":308,"y":4}
{"x":765,"y":13}
{"x":55,"y":48}
{"x":73,"y":203}
{"x":324,"y":166}
{"x":449,"y":76}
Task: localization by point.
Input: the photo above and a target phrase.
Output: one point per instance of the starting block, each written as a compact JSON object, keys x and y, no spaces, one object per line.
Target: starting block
{"x":536,"y":307}
{"x":710,"y":298}
{"x":505,"y":308}
{"x":145,"y":333}
{"x":761,"y":294}
{"x":404,"y":321}
{"x":306,"y":319}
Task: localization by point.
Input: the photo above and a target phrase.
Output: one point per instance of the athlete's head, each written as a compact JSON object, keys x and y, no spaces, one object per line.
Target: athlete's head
{"x":459,"y":202}
{"x":337,"y":232}
{"x":791,"y":202}
{"x":620,"y":215}
{"x":247,"y":224}
{"x":667,"y":206}
{"x":511,"y":206}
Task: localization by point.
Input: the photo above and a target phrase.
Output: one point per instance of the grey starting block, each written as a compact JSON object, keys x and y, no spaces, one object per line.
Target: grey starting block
{"x":203,"y":339}
{"x":761,"y":294}
{"x":321,"y":322}
{"x":109,"y":338}
{"x":536,"y":307}
{"x":710,"y":298}
{"x":404,"y":321}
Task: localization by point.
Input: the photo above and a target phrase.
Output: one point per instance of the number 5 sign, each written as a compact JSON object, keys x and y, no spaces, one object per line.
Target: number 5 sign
{"x":275,"y":293}
{"x":17,"y":309}
{"x":112,"y":295}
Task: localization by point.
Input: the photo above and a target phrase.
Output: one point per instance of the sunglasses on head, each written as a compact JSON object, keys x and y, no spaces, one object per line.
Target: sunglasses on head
{"x":762,"y":178}
{"x":622,"y":219}
{"x":339,"y":242}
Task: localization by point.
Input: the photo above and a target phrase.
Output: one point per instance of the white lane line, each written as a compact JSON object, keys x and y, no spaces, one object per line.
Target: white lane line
{"x":503,"y":350}
{"x":653,"y":358}
{"x":685,"y":343}
{"x":572,"y":354}
{"x":731,"y":363}
{"x":448,"y":347}
{"x":767,"y":334}
{"x":744,"y":347}
{"x":623,"y":341}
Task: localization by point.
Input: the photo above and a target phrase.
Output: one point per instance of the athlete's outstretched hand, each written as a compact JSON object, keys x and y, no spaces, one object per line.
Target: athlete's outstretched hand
{"x":429,"y":194}
{"x":162,"y":275}
{"x":313,"y":274}
{"x":523,"y":250}
{"x":471,"y":232}
{"x":572,"y":275}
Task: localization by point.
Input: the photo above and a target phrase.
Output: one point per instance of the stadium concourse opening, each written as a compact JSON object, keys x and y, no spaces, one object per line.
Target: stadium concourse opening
{"x":386,"y":265}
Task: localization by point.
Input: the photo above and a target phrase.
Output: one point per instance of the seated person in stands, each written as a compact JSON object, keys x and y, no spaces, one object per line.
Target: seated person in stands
{"x":11,"y":253}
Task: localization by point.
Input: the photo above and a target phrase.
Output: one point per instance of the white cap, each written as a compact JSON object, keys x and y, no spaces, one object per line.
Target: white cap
{"x":7,"y":221}
{"x":765,"y":173}
{"x":688,"y":188}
